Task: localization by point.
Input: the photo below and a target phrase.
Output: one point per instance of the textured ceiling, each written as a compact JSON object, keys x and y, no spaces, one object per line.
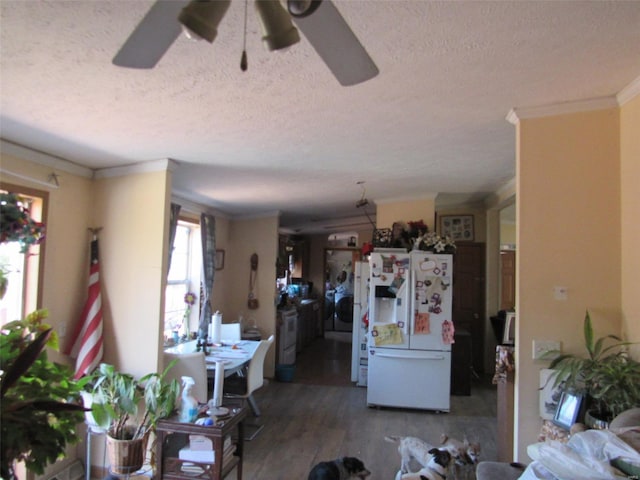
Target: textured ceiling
{"x":285,"y":136}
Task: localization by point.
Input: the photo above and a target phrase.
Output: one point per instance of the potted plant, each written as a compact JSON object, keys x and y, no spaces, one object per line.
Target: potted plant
{"x":608,"y":377}
{"x":128,"y":409}
{"x":16,"y":225}
{"x":40,"y":401}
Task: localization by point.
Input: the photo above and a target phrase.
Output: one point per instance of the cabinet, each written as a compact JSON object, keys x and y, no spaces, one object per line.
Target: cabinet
{"x":504,"y":378}
{"x":173,"y":435}
{"x":309,"y":323}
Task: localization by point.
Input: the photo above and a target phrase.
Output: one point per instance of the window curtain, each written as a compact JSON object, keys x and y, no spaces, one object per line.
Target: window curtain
{"x":173,"y":225}
{"x":208,"y":232}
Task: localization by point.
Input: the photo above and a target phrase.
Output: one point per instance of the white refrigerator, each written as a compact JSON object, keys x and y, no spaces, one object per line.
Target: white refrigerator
{"x":410,"y":330}
{"x":359,"y":353}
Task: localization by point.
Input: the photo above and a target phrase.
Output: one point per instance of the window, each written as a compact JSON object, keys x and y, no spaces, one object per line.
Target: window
{"x":184,"y":277}
{"x":22,"y":270}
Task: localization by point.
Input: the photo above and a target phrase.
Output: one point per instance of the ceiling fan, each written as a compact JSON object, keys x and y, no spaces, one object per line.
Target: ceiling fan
{"x":319,"y":20}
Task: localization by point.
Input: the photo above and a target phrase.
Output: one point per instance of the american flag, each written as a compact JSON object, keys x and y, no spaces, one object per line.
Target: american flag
{"x":87,"y":346}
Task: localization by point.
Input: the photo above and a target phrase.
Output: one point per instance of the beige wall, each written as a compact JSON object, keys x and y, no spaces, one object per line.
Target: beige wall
{"x":507,"y":233}
{"x":568,"y":210}
{"x":259,"y":236}
{"x":630,"y":206}
{"x":66,"y":251}
{"x":66,"y":247}
{"x":132,"y":210}
{"x":406,"y":210}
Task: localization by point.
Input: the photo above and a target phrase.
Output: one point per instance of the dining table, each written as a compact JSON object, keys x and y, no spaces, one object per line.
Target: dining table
{"x":234,"y":355}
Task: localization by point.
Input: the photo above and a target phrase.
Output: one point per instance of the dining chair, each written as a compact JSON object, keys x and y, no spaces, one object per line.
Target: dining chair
{"x":243,"y":386}
{"x":230,"y":331}
{"x":191,"y":365}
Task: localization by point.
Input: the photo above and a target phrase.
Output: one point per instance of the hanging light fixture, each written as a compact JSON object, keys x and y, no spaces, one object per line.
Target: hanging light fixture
{"x":278,"y":30}
{"x":302,"y":8}
{"x":200,"y":18}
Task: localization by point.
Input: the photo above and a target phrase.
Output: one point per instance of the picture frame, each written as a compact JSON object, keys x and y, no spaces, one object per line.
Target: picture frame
{"x":459,"y":227}
{"x":549,"y":393}
{"x":219,"y":259}
{"x":568,"y":411}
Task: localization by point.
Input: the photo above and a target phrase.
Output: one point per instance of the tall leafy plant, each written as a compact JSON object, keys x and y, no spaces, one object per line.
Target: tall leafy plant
{"x":118,"y":397}
{"x":607,"y":375}
{"x":40,"y":402}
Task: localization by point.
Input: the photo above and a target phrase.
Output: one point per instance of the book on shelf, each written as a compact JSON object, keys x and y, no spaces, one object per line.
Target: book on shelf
{"x":200,"y":456}
{"x":206,"y":456}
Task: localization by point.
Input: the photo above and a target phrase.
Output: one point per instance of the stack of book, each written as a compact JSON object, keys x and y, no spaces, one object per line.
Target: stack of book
{"x":200,"y":450}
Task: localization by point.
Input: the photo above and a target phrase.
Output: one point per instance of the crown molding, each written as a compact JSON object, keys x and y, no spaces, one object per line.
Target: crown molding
{"x":520,"y":113}
{"x":425,"y":196}
{"x":194,"y":207}
{"x":629,"y":92}
{"x":45,"y":159}
{"x":165,"y":164}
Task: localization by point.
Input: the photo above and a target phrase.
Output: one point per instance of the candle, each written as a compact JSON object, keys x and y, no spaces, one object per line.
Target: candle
{"x":218,"y":384}
{"x":216,"y":321}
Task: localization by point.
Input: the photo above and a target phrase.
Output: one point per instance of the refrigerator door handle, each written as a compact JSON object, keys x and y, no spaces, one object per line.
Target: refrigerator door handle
{"x":411,"y":314}
{"x":410,"y":357}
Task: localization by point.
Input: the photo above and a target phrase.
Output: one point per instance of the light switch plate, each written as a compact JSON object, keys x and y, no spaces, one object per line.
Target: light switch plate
{"x":542,"y":347}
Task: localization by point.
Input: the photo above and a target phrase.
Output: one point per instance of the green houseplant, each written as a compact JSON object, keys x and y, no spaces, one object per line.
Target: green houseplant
{"x":607,"y":376}
{"x":40,"y":402}
{"x":128,"y":409}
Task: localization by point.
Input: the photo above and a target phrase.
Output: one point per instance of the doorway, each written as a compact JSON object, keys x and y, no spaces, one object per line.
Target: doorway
{"x":469,"y":297}
{"x":338,"y":287}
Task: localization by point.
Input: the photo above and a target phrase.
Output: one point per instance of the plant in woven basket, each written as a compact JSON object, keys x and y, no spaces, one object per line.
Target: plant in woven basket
{"x":128,"y":408}
{"x":118,"y":396}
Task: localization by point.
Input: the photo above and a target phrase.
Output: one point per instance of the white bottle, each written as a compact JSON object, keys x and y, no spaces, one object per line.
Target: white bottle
{"x":189,"y":405}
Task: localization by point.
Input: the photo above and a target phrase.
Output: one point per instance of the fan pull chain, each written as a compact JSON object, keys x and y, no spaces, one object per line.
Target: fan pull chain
{"x":244,"y":64}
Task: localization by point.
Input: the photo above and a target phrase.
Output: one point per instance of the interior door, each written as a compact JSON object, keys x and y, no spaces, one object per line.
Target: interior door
{"x":469,"y":296}
{"x":507,"y":280}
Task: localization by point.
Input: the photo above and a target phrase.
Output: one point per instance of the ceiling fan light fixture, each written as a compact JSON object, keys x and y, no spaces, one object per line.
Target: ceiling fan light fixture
{"x":279,"y":32}
{"x":302,"y":8}
{"x":201,"y":18}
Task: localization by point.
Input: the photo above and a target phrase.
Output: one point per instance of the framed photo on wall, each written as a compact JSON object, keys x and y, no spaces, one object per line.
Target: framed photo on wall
{"x":219,"y":259}
{"x":458,"y":227}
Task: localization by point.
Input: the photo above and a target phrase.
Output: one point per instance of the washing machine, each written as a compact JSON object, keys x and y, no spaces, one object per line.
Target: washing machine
{"x":343,"y":314}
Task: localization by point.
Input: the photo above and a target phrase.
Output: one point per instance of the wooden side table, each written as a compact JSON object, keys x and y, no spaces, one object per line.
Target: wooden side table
{"x":173,"y":435}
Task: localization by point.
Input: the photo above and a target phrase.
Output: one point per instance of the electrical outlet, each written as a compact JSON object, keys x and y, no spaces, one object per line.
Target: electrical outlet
{"x":62,"y":330}
{"x":542,"y":347}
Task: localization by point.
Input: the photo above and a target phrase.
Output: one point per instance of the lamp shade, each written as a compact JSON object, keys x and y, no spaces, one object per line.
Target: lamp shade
{"x":202,"y":17}
{"x":278,"y":30}
{"x":302,"y":8}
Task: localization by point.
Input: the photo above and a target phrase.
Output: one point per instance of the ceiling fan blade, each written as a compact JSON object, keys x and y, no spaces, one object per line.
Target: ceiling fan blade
{"x":336,"y":44}
{"x":153,"y":36}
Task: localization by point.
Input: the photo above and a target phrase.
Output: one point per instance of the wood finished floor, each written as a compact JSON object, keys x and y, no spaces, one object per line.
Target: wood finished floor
{"x":321,"y":415}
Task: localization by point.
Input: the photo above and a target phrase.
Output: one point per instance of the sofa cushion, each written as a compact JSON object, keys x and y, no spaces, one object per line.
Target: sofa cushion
{"x":628,"y":418}
{"x":497,"y":470}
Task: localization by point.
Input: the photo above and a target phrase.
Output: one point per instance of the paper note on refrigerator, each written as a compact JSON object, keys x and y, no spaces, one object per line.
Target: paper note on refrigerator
{"x":422,"y":325}
{"x":387,"y":334}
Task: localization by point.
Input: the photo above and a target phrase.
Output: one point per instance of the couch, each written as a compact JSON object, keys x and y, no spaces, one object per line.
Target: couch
{"x":622,"y":439}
